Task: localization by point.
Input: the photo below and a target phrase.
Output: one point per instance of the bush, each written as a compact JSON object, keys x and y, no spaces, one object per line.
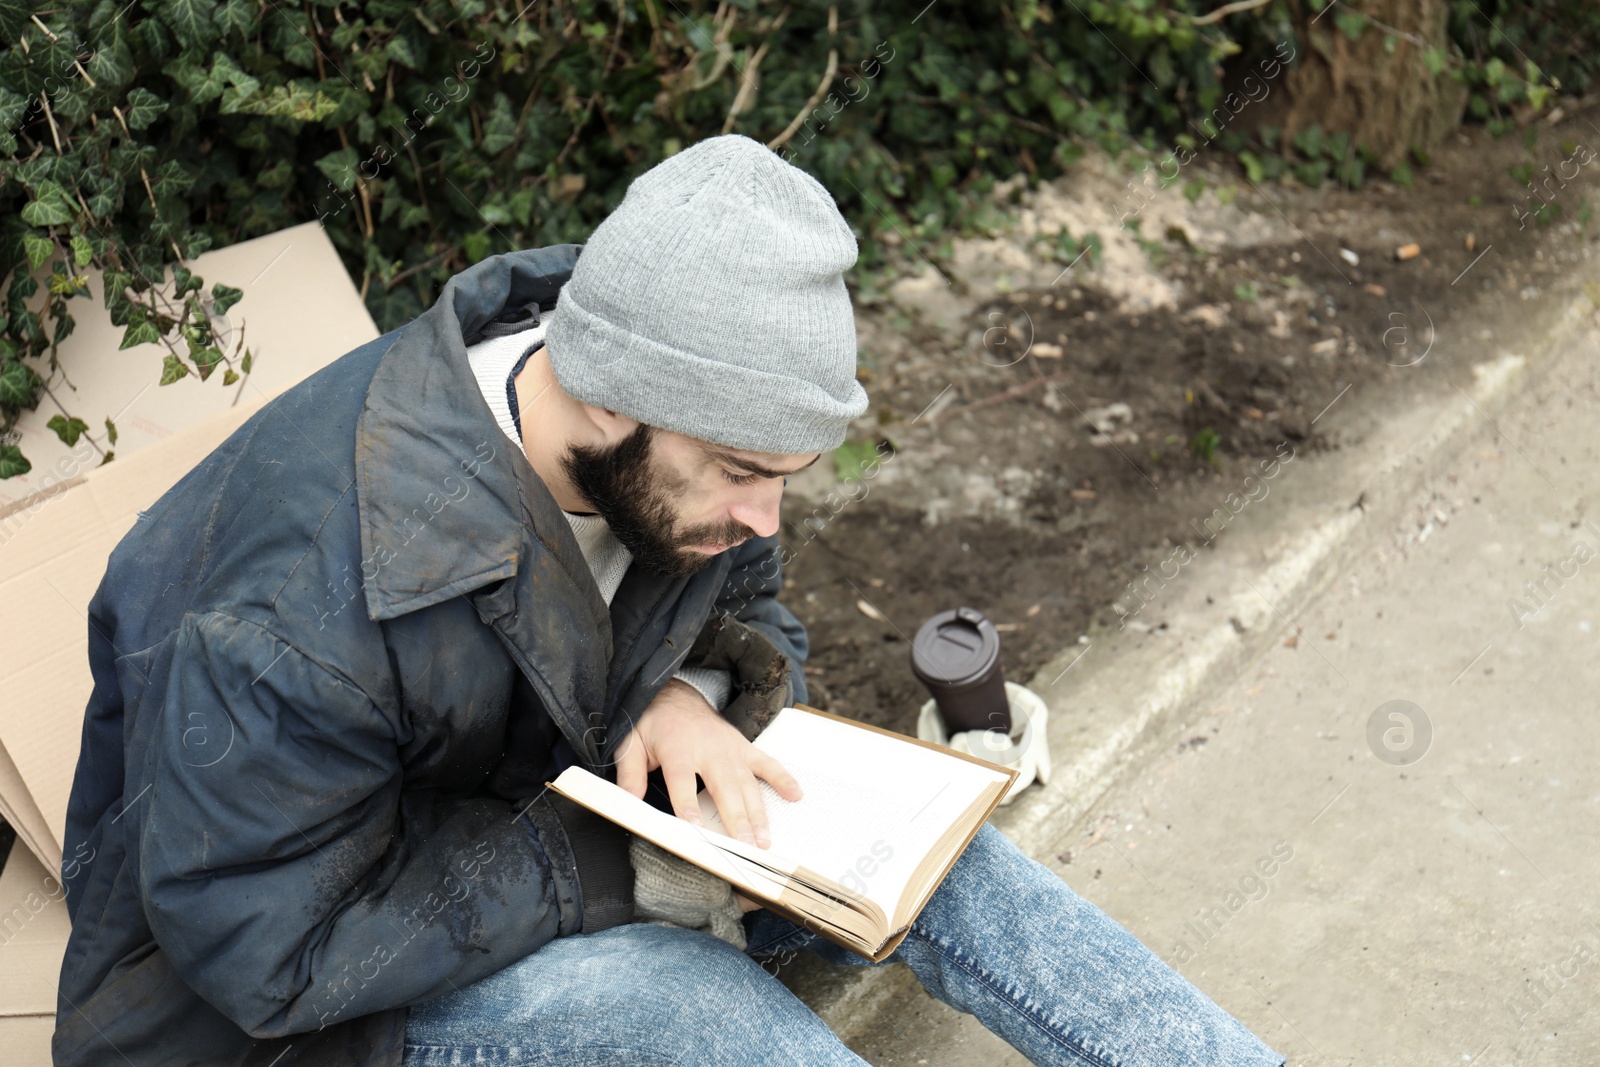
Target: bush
{"x":428,"y":135}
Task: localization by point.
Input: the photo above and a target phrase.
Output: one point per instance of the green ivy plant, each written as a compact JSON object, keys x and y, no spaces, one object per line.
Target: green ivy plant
{"x":425,"y":135}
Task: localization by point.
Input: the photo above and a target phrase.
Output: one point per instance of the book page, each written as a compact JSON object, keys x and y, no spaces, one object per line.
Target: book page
{"x":873,"y":808}
{"x":669,"y":831}
{"x":760,"y":872}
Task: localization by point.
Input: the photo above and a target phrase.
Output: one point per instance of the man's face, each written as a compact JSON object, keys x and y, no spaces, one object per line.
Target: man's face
{"x":676,"y":502}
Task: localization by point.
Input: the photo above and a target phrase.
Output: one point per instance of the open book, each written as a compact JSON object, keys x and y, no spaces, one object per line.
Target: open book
{"x":882,"y":819}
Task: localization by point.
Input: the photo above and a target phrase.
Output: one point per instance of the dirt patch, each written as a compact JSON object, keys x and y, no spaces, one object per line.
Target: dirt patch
{"x":1054,"y":444}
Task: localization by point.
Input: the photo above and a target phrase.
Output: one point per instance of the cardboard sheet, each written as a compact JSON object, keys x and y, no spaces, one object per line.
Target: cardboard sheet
{"x":33,"y":936}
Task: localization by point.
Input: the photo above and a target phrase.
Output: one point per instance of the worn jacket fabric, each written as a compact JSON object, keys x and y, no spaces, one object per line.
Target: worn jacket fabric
{"x":333,"y":668}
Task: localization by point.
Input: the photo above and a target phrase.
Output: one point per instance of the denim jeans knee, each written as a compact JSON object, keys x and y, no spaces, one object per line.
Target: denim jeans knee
{"x":631,"y":995}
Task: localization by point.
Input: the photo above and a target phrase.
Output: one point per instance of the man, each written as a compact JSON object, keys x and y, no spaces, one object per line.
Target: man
{"x":335,"y":665}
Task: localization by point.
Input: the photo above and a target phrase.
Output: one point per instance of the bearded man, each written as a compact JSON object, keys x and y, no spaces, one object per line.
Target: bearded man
{"x":336,"y":663}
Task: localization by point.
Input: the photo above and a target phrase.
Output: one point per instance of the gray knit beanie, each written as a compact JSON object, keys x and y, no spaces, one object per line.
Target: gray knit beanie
{"x":712,"y":302}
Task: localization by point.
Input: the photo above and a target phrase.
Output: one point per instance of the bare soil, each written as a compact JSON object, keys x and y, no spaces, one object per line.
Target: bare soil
{"x":993,"y":493}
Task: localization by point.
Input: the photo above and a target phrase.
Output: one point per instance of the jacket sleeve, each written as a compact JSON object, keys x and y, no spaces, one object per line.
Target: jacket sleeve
{"x":750,"y":595}
{"x":293,"y":882}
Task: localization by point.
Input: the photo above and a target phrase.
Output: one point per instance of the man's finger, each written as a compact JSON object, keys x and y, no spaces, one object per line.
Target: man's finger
{"x":631,"y":771}
{"x":681,"y":791}
{"x":770,"y":769}
{"x":723,"y":781}
{"x":755,"y":807}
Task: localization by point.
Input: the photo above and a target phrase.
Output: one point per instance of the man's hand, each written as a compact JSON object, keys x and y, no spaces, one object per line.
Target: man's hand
{"x":683,"y":735}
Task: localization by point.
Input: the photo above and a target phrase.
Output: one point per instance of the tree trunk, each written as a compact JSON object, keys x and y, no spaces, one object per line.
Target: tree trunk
{"x":1387,"y":102}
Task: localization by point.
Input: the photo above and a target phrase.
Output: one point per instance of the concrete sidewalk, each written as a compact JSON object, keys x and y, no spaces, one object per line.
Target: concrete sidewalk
{"x":1436,"y":905}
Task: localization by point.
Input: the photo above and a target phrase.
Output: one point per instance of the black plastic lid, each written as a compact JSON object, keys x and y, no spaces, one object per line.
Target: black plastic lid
{"x":954,"y":647}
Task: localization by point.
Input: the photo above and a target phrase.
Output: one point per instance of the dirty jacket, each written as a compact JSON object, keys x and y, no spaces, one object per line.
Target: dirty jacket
{"x":334,"y":667}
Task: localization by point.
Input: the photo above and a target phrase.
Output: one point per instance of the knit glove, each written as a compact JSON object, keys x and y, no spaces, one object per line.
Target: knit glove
{"x":669,"y":891}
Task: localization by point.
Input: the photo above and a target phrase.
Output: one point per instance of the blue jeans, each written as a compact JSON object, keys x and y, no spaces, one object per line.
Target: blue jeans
{"x":1003,"y":938}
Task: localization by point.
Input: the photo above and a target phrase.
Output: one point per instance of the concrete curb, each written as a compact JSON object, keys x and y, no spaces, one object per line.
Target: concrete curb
{"x":1131,"y":692}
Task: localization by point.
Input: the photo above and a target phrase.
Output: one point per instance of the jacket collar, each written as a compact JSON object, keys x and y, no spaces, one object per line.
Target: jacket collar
{"x":444,"y":499}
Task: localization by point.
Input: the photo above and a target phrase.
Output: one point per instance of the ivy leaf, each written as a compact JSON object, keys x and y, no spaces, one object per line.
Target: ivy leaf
{"x":278,"y":176}
{"x":203,"y":86}
{"x":112,"y":65}
{"x":350,"y":30}
{"x":224,"y":297}
{"x":206,"y":360}
{"x":293,"y":101}
{"x":115,"y":283}
{"x":340,"y":167}
{"x":16,"y":385}
{"x":144,"y":107}
{"x":499,"y":131}
{"x":22,"y":286}
{"x":65,"y":323}
{"x":171,"y":179}
{"x":104,"y":204}
{"x":82,"y":250}
{"x":185,"y":280}
{"x":13,"y":462}
{"x":235,"y":16}
{"x":223,"y":66}
{"x":244,"y":364}
{"x":399,"y":49}
{"x":172,"y":368}
{"x":26,"y":326}
{"x":229,"y":376}
{"x":12,"y":105}
{"x":143,"y":332}
{"x":69,"y":430}
{"x":288,"y":37}
{"x":13,"y":16}
{"x":38,"y":248}
{"x":51,"y":206}
{"x":852,"y":458}
{"x":111,"y":430}
{"x":1352,"y":24}
{"x":1253,"y":167}
{"x":190,"y":21}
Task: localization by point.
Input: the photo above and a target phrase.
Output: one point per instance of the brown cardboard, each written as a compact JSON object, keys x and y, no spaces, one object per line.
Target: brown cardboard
{"x":298,"y":311}
{"x":303,"y":312}
{"x":33,"y":937}
{"x":26,"y":1039}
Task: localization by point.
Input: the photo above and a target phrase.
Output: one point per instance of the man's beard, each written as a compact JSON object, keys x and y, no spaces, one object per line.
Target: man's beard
{"x":636,"y":500}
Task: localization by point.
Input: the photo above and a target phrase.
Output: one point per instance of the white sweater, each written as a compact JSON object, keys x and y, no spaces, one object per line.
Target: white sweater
{"x":608,"y":559}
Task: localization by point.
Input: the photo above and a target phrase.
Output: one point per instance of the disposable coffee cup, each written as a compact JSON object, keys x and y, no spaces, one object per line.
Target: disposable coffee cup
{"x":956,"y":655}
